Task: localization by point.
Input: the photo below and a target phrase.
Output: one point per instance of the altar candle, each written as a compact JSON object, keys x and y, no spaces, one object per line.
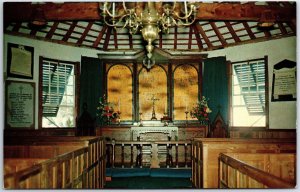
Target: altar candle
{"x":113,"y":13}
{"x":119,"y":104}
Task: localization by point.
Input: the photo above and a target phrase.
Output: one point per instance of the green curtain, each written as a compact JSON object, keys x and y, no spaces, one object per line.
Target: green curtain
{"x":215,"y":86}
{"x":91,"y":84}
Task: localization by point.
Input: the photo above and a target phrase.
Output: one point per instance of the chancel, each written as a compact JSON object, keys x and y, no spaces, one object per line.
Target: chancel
{"x":149,"y":95}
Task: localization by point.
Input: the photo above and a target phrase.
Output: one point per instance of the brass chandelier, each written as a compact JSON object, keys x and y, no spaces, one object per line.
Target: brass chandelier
{"x":149,"y":18}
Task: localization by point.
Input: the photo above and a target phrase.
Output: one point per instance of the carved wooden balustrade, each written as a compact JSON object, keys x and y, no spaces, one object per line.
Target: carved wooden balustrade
{"x":153,"y":154}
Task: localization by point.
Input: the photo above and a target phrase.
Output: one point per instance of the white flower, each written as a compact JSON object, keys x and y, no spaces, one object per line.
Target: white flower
{"x":208,"y":110}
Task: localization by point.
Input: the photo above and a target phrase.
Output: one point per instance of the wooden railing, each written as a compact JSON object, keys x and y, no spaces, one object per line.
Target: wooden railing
{"x":146,"y":153}
{"x":82,"y":167}
{"x":237,"y":174}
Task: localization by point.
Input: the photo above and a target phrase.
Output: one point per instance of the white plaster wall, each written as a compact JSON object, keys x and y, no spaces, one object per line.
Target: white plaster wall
{"x":45,"y":49}
{"x":282,"y":115}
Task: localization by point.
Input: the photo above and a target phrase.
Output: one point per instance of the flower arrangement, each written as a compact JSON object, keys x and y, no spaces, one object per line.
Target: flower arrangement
{"x":105,"y":111}
{"x":201,"y":110}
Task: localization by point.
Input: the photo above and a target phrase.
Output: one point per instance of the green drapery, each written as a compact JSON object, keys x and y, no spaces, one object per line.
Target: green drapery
{"x":91,"y":84}
{"x":215,"y":86}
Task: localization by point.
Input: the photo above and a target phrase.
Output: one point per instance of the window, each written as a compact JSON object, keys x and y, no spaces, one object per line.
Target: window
{"x":249,"y":84}
{"x":58,"y":88}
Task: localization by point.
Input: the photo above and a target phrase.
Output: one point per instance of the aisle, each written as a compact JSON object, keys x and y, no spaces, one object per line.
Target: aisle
{"x":146,"y":178}
{"x":148,"y":182}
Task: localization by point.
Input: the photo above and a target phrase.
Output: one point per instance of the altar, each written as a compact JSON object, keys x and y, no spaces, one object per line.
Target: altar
{"x":154,"y":127}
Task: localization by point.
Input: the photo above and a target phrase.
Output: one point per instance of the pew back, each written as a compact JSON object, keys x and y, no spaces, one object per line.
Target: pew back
{"x":38,"y":151}
{"x":241,"y":170}
{"x":282,"y":165}
{"x":205,"y":153}
{"x":68,"y":170}
{"x":50,"y":146}
{"x":12,"y":165}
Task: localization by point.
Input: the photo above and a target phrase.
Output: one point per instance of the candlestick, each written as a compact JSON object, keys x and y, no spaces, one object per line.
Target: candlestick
{"x":141,"y":121}
{"x":186,"y":117}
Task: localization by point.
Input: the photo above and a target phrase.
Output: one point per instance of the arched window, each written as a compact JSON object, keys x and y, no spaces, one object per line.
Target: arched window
{"x":185,"y":90}
{"x":119,"y":90}
{"x":152,"y":83}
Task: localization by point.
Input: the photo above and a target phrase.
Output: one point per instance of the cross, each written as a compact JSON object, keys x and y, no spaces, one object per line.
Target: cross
{"x":153,"y":109}
{"x":153,"y":99}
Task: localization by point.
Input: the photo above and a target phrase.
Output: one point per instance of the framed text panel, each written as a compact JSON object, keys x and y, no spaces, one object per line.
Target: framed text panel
{"x":20,"y":61}
{"x":284,"y":85}
{"x":19,"y":104}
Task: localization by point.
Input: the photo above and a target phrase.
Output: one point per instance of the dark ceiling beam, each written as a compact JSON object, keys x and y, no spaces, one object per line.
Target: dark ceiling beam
{"x":52,"y":30}
{"x":96,"y":43}
{"x":19,"y":11}
{"x":218,"y":33}
{"x":84,"y":34}
{"x":250,"y":33}
{"x":160,"y":40}
{"x":17,"y":27}
{"x":246,"y":12}
{"x":293,"y":25}
{"x":70,"y":31}
{"x":107,"y":38}
{"x":115,"y":38}
{"x":190,"y":38}
{"x":231,"y":30}
{"x":175,"y":37}
{"x":130,"y":41}
{"x":199,"y":43}
{"x":203,"y":34}
{"x":282,"y":28}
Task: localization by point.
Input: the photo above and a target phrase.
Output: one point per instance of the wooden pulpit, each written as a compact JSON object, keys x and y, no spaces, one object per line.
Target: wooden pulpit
{"x":218,"y":128}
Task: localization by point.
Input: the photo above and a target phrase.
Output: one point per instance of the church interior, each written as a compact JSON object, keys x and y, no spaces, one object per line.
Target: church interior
{"x":149,"y":95}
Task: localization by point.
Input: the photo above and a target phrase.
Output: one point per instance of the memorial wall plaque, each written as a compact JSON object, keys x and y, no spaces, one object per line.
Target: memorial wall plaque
{"x":20,"y":61}
{"x":284,"y":81}
{"x":20,"y":103}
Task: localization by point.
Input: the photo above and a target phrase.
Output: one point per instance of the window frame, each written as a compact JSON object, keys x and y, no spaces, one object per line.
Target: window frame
{"x":40,"y":97}
{"x":265,"y":58}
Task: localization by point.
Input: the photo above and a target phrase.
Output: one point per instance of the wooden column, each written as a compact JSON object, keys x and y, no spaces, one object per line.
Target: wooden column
{"x":170,"y":91}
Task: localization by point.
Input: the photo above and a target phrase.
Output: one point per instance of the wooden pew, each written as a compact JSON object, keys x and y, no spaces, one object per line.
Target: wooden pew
{"x":54,"y":145}
{"x":241,"y":170}
{"x":12,"y":165}
{"x":205,"y":154}
{"x":68,"y":170}
{"x":45,"y":151}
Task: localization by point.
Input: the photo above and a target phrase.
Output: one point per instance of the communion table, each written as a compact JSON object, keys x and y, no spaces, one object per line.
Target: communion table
{"x":154,"y":127}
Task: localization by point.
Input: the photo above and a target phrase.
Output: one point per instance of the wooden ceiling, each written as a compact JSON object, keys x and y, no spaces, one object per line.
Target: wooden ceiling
{"x":218,"y":25}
